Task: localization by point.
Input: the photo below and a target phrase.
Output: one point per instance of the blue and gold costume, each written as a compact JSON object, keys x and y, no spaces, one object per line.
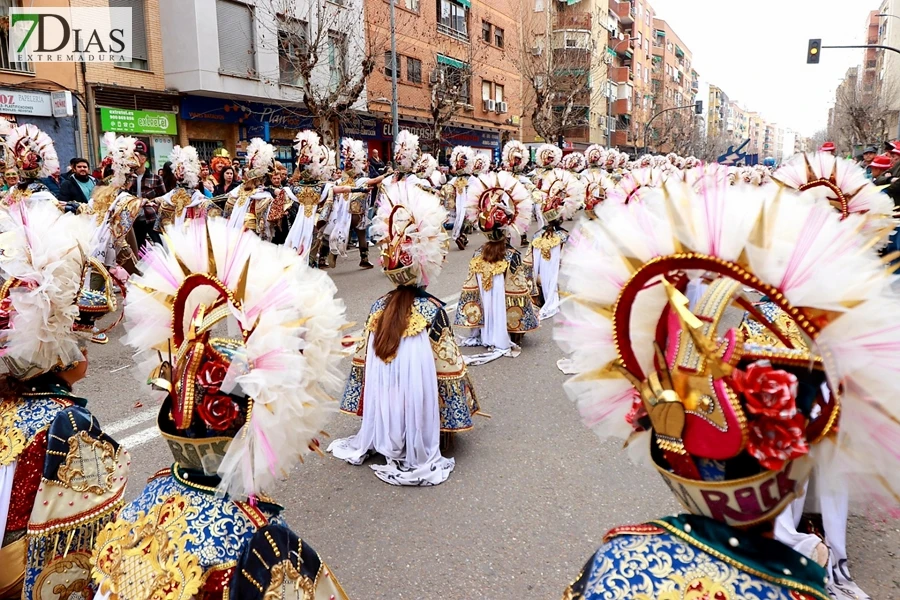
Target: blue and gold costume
{"x":458,"y":402}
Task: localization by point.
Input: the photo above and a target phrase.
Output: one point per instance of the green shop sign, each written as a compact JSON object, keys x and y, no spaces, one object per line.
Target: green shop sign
{"x":122,"y":120}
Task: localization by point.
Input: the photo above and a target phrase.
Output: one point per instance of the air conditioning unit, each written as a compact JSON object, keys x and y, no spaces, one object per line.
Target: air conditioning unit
{"x":502,"y":107}
{"x":537,"y":51}
{"x":489,"y":104}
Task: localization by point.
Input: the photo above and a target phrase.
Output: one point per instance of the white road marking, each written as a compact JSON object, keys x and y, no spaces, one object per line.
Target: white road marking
{"x":140,"y":438}
{"x":151,"y":433}
{"x":132,"y":421}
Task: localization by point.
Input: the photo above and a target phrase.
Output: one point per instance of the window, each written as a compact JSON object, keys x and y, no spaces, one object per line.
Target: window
{"x":639,"y":39}
{"x":498,"y":37}
{"x":413,"y":70}
{"x":237,"y":41}
{"x":637,"y":69}
{"x":337,"y":58}
{"x":292,"y":40}
{"x":486,"y":32}
{"x":485,"y":90}
{"x":538,"y":5}
{"x":412,"y":5}
{"x":389,"y":64}
{"x":498,"y":93}
{"x":456,"y":79}
{"x":5,"y":63}
{"x":139,"y":34}
{"x":206,"y":148}
{"x":452,"y":19}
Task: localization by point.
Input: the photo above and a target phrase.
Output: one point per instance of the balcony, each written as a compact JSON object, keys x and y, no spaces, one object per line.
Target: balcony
{"x":573,"y":20}
{"x":695,"y":86}
{"x":621,"y":74}
{"x":623,"y":10}
{"x":621,"y":47}
{"x":578,"y":134}
{"x":6,"y":64}
{"x":621,"y":107}
{"x":571,"y":39}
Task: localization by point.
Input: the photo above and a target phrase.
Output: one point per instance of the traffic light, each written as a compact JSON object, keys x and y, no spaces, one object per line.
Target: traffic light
{"x":698,"y":107}
{"x":812,"y":54}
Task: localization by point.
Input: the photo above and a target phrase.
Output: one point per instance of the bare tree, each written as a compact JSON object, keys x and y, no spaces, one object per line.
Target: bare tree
{"x":324,"y":54}
{"x":862,"y":117}
{"x":556,"y":68}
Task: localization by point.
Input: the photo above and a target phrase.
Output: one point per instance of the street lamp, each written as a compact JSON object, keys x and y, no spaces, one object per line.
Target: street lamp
{"x":887,"y":15}
{"x":620,"y":42}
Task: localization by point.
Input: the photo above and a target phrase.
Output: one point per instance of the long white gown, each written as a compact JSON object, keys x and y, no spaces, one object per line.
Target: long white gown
{"x":401,"y":419}
{"x":547,"y":272}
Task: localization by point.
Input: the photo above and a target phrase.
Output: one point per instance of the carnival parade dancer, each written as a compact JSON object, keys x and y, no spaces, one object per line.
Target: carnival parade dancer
{"x":462,"y":165}
{"x":350,"y":209}
{"x":30,"y":153}
{"x":842,"y":185}
{"x":495,"y":303}
{"x":515,"y":161}
{"x":247,"y":204}
{"x":312,"y":191}
{"x":563,"y":195}
{"x":282,"y":210}
{"x":595,"y":180}
{"x":734,"y":425}
{"x":408,"y":380}
{"x":61,"y":477}
{"x":185,"y":201}
{"x":424,"y":172}
{"x":239,"y":410}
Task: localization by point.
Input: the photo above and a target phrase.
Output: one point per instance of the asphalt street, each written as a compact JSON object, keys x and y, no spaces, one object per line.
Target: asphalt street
{"x":530,"y":499}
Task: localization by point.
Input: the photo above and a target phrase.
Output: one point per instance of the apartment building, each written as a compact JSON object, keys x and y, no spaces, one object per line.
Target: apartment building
{"x":474,"y":44}
{"x":674,"y":83}
{"x":870,"y":58}
{"x":40,"y":93}
{"x":716,"y":111}
{"x":887,"y":64}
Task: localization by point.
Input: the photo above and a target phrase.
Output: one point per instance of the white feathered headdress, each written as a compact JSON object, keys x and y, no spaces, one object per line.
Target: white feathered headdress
{"x":44,"y":263}
{"x":406,"y":150}
{"x":311,"y":160}
{"x":462,"y":160}
{"x":563,"y":194}
{"x":833,"y":309}
{"x":481,"y":165}
{"x":500,"y":203}
{"x":186,"y":165}
{"x":260,"y":158}
{"x":515,"y":156}
{"x":843,"y":184}
{"x":410,"y":222}
{"x":548,"y":156}
{"x":354,"y":155}
{"x":267,"y":379}
{"x":575,"y":162}
{"x":121,"y":156}
{"x":595,"y":156}
{"x":634,"y":185}
{"x":31,"y":151}
{"x":426,"y":166}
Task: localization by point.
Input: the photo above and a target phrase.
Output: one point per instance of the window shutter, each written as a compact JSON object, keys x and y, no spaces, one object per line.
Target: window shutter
{"x":138,"y":27}
{"x":237,"y":51}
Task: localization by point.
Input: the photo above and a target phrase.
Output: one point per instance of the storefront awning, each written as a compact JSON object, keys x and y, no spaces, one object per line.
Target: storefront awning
{"x":450,"y":62}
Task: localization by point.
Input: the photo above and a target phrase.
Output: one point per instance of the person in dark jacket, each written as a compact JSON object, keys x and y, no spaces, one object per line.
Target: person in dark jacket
{"x":77,"y":189}
{"x":53,"y":182}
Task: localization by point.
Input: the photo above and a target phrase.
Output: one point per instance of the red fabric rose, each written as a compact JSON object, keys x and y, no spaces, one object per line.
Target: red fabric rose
{"x":775,"y":441}
{"x":769,"y":392}
{"x":218,"y":411}
{"x":211,"y":376}
{"x":499,"y":217}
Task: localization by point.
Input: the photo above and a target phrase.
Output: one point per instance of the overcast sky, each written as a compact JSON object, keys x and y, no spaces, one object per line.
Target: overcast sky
{"x":756,"y":51}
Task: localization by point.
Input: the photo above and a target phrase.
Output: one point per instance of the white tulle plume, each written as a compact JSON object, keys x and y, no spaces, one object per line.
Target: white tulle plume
{"x":260,"y":158}
{"x":186,"y":165}
{"x":505,"y":192}
{"x":43,"y":260}
{"x":462,"y":160}
{"x":289,"y":322}
{"x":30,"y":150}
{"x":406,"y":150}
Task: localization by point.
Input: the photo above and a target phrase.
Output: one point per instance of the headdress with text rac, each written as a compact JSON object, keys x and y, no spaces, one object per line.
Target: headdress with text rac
{"x":246,"y":357}
{"x":563,"y":195}
{"x":186,"y":165}
{"x":500,"y":203}
{"x":595,"y":155}
{"x":354,"y":154}
{"x":410,"y":222}
{"x":46,"y":301}
{"x":309,"y":154}
{"x":735,"y":405}
{"x":120,"y":155}
{"x":406,"y":151}
{"x":426,"y":166}
{"x":548,"y":156}
{"x":29,"y":150}
{"x":462,"y":160}
{"x":260,"y":158}
{"x":515,"y":156}
{"x":843,"y":184}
